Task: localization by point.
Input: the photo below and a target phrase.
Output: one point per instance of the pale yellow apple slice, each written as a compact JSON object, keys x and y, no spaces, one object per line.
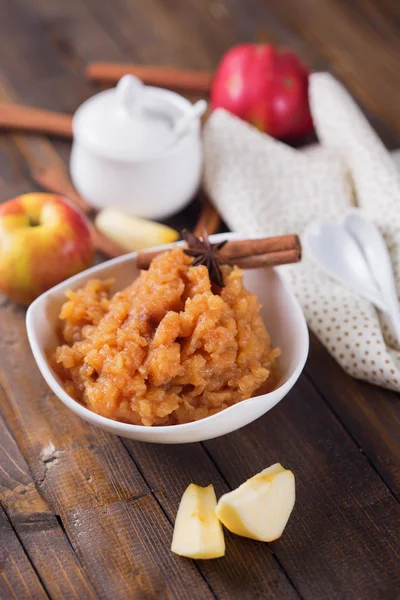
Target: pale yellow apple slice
{"x":261,"y":506}
{"x":198,"y":532}
{"x":133,"y":233}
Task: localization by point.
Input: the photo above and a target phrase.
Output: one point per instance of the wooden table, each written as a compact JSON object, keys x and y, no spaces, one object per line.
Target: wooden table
{"x":88,"y":515}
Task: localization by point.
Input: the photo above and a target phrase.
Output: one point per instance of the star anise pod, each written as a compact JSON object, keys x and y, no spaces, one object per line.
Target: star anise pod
{"x":205,"y":253}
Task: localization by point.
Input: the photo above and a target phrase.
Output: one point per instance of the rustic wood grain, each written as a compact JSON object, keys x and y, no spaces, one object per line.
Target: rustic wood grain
{"x":117,"y":501}
{"x":120,"y":535}
{"x":17,"y":577}
{"x":343,"y":539}
{"x":246,"y":571}
{"x":38,"y":152}
{"x":370,"y":414}
{"x":359,"y":40}
{"x":37,"y":527}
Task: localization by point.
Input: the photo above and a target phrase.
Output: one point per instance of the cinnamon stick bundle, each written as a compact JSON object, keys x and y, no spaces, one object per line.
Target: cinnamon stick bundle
{"x":248,"y":254}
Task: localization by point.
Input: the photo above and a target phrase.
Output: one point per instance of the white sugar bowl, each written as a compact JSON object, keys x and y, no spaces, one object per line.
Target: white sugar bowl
{"x":137,"y":148}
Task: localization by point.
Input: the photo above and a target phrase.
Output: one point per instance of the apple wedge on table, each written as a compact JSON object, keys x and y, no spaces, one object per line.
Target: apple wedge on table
{"x":261,"y":506}
{"x":198,"y":532}
{"x":258,"y":509}
{"x":133,"y":233}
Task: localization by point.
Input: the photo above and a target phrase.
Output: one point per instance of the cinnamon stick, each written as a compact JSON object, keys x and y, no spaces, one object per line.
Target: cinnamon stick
{"x":17,"y":117}
{"x":248,"y":254}
{"x":271,"y":259}
{"x":245,"y":248}
{"x":209,"y":219}
{"x":167,"y":77}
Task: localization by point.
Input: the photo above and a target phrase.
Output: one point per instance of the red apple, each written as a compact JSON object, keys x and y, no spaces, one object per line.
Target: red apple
{"x":44,"y":239}
{"x":265,"y":86}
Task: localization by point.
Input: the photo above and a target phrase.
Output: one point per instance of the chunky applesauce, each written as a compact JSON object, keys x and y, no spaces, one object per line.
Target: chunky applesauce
{"x":166,"y":349}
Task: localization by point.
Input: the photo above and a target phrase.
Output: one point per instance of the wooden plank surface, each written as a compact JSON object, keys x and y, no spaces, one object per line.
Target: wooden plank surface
{"x":246,"y":571}
{"x":359,"y":40}
{"x":37,"y":527}
{"x":345,"y":523}
{"x":370,"y":414}
{"x":97,"y":511}
{"x":121,"y":536}
{"x":17,"y":577}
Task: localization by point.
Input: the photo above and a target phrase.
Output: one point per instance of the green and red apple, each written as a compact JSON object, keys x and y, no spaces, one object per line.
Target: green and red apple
{"x":44,"y":239}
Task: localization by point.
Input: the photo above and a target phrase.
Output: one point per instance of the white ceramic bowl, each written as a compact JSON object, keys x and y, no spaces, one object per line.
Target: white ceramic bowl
{"x":283,"y":318}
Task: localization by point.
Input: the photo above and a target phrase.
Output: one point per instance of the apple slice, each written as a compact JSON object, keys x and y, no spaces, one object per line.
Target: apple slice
{"x":133,"y":233}
{"x":198,"y":532}
{"x":261,"y":506}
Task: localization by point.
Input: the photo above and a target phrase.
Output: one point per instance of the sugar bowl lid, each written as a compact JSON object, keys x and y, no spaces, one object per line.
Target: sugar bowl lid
{"x":131,"y":121}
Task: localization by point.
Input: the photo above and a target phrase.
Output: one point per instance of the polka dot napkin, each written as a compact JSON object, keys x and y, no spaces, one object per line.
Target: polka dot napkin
{"x":261,"y":186}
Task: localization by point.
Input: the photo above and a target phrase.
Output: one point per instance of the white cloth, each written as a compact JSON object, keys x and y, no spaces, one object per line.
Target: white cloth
{"x":262,"y":186}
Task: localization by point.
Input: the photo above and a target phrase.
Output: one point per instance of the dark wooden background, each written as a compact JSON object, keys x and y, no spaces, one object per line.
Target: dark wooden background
{"x":87,"y":515}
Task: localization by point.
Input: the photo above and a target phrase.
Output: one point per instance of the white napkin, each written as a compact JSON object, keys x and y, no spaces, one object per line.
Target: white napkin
{"x":261,"y":186}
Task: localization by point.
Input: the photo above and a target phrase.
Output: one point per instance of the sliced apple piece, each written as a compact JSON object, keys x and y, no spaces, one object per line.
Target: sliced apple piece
{"x":133,"y":233}
{"x":261,"y":506}
{"x":198,"y":532}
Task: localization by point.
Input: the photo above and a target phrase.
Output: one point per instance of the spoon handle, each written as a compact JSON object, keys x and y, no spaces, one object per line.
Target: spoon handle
{"x":377,"y":256}
{"x":337,"y":252}
{"x":395,"y":318}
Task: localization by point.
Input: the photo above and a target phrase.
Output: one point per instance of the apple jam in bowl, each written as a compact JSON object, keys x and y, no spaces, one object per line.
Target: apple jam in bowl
{"x":167,"y":349}
{"x":164,"y":356}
